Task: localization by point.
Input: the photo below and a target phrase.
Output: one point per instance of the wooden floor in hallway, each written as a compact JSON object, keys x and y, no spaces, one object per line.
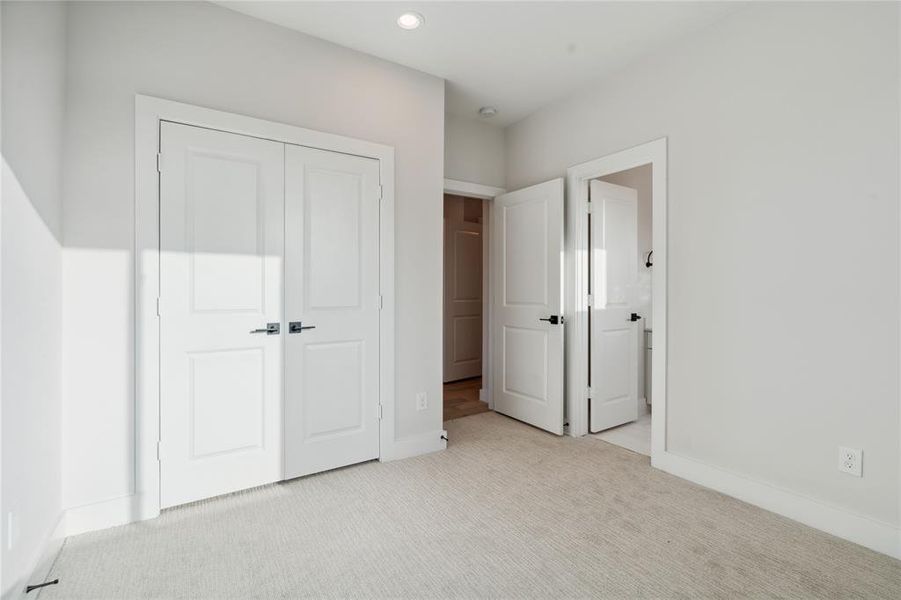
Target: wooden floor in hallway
{"x":461,"y":399}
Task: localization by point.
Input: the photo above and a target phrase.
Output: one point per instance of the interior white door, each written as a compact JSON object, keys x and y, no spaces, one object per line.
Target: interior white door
{"x":221,"y":248}
{"x":527,"y":274}
{"x":332,"y":303}
{"x":462,"y":297}
{"x":614,"y":330}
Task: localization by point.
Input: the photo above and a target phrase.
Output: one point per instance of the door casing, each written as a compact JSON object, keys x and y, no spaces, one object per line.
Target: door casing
{"x":144,"y":502}
{"x":577,"y":277}
{"x":486,"y":193}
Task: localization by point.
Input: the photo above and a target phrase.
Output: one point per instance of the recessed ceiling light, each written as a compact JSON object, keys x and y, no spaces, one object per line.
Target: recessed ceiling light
{"x":487,"y":112}
{"x":410,"y":20}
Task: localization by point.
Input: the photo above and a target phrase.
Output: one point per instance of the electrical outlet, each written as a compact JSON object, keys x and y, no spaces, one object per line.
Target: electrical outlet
{"x":850,"y":460}
{"x":422,"y":401}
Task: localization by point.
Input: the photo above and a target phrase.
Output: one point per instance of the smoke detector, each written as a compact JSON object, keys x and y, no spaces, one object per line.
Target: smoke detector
{"x":487,"y":111}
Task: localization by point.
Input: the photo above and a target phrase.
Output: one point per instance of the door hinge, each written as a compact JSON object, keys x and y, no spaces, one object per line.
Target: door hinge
{"x":381,"y":302}
{"x":159,"y":309}
{"x":159,"y":451}
{"x":588,"y":207}
{"x":381,"y":192}
{"x":380,"y":412}
{"x":588,"y":392}
{"x":159,"y":162}
{"x":590,"y":300}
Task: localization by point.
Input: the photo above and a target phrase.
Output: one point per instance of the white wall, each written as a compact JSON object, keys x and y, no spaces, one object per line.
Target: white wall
{"x":783,"y":237}
{"x":33,"y":109}
{"x":209,"y":56}
{"x":473,"y":151}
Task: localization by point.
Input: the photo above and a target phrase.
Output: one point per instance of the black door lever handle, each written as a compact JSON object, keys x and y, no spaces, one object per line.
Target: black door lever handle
{"x":298,"y":326}
{"x":634,"y":317}
{"x":553,"y":319}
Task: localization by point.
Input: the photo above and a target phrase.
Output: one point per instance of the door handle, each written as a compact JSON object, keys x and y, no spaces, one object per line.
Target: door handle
{"x":270,"y":329}
{"x":553,"y":319}
{"x":298,"y":327}
{"x":634,"y":317}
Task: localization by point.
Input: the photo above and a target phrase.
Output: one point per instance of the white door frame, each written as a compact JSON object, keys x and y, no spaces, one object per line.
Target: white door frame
{"x":486,"y":193}
{"x":149,"y":112}
{"x":577,"y":180}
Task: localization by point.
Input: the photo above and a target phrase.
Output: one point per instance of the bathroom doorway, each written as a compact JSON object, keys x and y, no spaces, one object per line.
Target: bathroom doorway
{"x":620,"y":234}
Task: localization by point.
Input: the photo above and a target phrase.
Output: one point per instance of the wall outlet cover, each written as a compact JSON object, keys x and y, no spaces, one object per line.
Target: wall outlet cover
{"x":11,"y":530}
{"x":422,"y":401}
{"x":850,"y":460}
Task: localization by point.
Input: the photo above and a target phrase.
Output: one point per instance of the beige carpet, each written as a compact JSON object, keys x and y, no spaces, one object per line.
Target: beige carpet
{"x":506,"y":511}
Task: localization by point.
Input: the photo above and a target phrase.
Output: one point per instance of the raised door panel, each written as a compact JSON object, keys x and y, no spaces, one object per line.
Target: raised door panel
{"x":339,"y":368}
{"x":525,"y":364}
{"x":332,"y":219}
{"x":227,"y":399}
{"x":618,"y":251}
{"x":467,"y":339}
{"x":467,"y":280}
{"x":225,"y":212}
{"x":525,"y":250}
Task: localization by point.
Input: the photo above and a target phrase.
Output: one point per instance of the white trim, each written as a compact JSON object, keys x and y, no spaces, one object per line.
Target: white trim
{"x":423,"y":443}
{"x":145,"y":503}
{"x":486,"y":193}
{"x":101,"y":515}
{"x":485,"y":392}
{"x":576,"y":304}
{"x":40,"y":570}
{"x":471,"y":190}
{"x":899,"y":275}
{"x":876,"y":535}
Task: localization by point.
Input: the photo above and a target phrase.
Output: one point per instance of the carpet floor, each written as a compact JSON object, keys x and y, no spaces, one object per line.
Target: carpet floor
{"x":507,"y":511}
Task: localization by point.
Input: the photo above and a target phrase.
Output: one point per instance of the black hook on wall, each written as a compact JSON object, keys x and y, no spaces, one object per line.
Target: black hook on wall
{"x":648,"y":263}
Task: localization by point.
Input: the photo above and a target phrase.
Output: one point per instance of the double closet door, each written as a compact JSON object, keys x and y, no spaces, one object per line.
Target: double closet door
{"x":269,"y":300}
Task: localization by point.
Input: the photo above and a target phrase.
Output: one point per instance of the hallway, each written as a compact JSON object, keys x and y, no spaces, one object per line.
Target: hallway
{"x":461,"y":399}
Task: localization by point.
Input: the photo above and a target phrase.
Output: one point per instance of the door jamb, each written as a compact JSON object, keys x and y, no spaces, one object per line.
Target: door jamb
{"x":486,"y":193}
{"x":149,"y":112}
{"x":577,"y":180}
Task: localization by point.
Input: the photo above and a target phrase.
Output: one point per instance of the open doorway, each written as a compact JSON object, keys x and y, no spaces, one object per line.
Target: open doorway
{"x":620,"y":228}
{"x":522,"y":339}
{"x":465,"y":277}
{"x":618,"y":292}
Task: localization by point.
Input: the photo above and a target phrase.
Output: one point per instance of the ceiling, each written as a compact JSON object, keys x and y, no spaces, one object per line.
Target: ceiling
{"x":517,"y":56}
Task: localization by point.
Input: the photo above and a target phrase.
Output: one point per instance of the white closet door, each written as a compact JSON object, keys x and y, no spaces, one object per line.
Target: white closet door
{"x":221,"y":238}
{"x":614,"y":335}
{"x":332,"y":302}
{"x":527,"y":272}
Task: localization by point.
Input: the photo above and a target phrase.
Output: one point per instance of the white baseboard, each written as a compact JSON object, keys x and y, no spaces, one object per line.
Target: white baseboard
{"x":109,"y":513}
{"x":126,"y":509}
{"x":414,"y":446}
{"x":871,"y":533}
{"x":38,"y":573}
